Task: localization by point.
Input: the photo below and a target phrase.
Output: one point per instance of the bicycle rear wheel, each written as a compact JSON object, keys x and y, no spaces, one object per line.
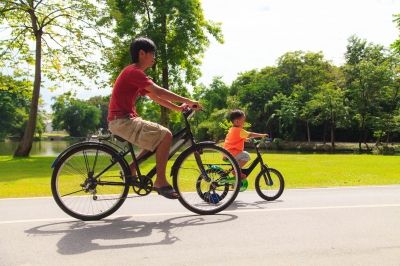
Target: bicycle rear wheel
{"x":89,"y":182}
{"x":212,"y":192}
{"x":269,"y":185}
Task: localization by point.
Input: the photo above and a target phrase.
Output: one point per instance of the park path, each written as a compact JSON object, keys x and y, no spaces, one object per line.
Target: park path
{"x":328,"y":226}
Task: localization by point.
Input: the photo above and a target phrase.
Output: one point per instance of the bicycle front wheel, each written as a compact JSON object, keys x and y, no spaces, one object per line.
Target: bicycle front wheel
{"x":89,"y":182}
{"x":269,"y":184}
{"x":206,"y":178}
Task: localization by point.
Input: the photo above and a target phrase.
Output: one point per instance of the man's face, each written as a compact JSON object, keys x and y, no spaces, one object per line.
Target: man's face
{"x":147,"y":59}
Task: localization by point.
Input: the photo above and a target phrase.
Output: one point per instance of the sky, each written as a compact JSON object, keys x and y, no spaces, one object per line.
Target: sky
{"x":257,"y":32}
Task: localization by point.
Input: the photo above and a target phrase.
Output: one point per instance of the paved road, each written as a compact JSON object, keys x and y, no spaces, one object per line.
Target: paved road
{"x":333,"y":226}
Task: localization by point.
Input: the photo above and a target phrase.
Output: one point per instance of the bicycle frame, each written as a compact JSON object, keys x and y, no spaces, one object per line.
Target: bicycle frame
{"x":184,"y":134}
{"x":247,"y":171}
{"x":259,"y":160}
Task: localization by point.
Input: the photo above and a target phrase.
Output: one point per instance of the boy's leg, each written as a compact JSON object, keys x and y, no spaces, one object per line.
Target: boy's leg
{"x":242,"y":159}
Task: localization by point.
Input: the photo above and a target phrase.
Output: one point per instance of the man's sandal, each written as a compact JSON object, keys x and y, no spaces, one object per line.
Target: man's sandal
{"x":167,"y":192}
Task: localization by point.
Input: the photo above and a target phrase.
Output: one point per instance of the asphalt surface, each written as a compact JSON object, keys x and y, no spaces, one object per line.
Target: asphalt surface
{"x":332,"y":226}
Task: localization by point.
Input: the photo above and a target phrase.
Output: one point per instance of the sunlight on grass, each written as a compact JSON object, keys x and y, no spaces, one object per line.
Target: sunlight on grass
{"x":25,"y":177}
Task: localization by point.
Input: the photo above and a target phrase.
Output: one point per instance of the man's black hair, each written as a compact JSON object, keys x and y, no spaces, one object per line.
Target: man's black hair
{"x":236,"y":114}
{"x":141,"y":43}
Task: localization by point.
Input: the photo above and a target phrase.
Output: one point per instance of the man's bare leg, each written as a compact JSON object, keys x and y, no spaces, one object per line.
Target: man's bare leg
{"x":162,"y":153}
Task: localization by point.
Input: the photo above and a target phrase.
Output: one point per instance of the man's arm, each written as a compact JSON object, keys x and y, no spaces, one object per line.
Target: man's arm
{"x":164,"y":102}
{"x":167,"y":95}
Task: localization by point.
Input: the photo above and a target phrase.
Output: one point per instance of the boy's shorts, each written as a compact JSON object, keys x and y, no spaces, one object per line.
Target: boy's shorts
{"x":243,"y":156}
{"x":144,"y":134}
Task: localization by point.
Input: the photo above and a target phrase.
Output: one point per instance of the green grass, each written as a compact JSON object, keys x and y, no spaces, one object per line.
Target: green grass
{"x":31,"y":176}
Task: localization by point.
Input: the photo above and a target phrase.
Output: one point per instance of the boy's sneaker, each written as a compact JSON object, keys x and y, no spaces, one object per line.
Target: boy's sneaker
{"x":228,"y":180}
{"x":244,"y":184}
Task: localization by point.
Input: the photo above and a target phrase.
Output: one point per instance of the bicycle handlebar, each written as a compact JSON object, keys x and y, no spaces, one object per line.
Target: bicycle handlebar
{"x":189,"y":112}
{"x":255,"y":141}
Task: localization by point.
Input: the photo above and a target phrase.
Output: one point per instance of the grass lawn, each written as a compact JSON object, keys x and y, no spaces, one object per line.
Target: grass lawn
{"x":31,"y":176}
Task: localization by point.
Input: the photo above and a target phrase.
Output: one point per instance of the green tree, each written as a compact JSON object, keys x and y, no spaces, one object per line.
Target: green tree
{"x":254,"y":89}
{"x":396,"y":44}
{"x":14,"y":107}
{"x":179,"y":30}
{"x":101,"y":102}
{"x":75,"y":116}
{"x":300,"y":75}
{"x":328,"y":106}
{"x":286,"y":111}
{"x":369,"y":78}
{"x":214,"y":99}
{"x":63,"y":37}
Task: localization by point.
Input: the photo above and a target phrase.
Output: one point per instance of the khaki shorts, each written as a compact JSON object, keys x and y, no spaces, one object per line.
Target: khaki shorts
{"x":243,"y":156}
{"x":144,"y":134}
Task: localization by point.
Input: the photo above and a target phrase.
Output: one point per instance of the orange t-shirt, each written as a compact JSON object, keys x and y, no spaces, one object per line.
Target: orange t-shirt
{"x":234,"y":140}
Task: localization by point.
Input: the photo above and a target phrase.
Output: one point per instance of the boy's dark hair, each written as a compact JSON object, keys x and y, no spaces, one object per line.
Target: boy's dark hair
{"x":236,"y":114}
{"x":141,"y":43}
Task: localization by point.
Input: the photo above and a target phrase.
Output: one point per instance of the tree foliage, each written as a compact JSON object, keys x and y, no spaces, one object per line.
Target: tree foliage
{"x":75,"y":116}
{"x":58,"y":37}
{"x":179,"y":30}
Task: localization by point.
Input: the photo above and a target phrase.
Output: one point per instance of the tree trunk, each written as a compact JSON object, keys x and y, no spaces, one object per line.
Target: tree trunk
{"x":360,"y":135}
{"x":324,"y":134}
{"x":333,"y":136}
{"x":165,"y":71}
{"x":25,"y":144}
{"x":308,"y":132}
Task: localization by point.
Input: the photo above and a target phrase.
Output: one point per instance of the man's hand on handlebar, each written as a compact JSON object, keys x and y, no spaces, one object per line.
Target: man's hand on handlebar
{"x":195,"y":105}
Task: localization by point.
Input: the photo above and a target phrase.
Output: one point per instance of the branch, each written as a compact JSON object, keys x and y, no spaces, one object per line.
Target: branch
{"x":51,"y":37}
{"x":44,"y":23}
{"x":38,"y":3}
{"x":13,"y":41}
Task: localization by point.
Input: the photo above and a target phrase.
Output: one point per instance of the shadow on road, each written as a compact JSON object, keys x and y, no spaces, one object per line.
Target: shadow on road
{"x":262,"y":204}
{"x":81,"y":237}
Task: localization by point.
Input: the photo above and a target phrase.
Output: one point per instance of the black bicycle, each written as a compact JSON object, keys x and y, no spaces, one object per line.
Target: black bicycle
{"x":91,"y":179}
{"x":269,"y":183}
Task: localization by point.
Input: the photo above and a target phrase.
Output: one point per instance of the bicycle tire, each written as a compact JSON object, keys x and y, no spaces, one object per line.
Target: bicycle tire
{"x":260,"y":179}
{"x":60,"y":164}
{"x":213,"y":208}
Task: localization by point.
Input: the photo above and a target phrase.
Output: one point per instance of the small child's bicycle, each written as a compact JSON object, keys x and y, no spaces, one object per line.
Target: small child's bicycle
{"x":269,"y":182}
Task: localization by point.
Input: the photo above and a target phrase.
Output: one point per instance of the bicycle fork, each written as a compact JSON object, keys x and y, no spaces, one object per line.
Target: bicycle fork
{"x":267,"y":177}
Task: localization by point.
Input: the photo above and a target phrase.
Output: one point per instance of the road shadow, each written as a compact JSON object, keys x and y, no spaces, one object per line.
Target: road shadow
{"x":81,"y":237}
{"x":241,"y":205}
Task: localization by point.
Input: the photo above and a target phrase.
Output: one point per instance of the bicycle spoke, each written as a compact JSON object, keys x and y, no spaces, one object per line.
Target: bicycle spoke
{"x":72,"y":193}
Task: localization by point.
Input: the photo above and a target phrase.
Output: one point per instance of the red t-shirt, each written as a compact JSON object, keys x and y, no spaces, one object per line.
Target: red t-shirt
{"x":129,"y":85}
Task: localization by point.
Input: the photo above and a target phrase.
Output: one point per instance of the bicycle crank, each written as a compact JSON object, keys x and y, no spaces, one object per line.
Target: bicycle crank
{"x":142,"y":185}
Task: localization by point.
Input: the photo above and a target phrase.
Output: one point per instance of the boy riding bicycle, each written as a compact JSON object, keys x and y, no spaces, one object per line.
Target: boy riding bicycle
{"x":234,"y":140}
{"x":124,"y":121}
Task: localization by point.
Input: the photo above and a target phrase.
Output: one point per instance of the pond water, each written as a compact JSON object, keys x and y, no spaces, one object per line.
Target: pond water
{"x":43,"y":148}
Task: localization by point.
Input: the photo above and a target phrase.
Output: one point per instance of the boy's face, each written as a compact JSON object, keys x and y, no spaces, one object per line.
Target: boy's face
{"x":146,"y":59}
{"x":239,"y":122}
